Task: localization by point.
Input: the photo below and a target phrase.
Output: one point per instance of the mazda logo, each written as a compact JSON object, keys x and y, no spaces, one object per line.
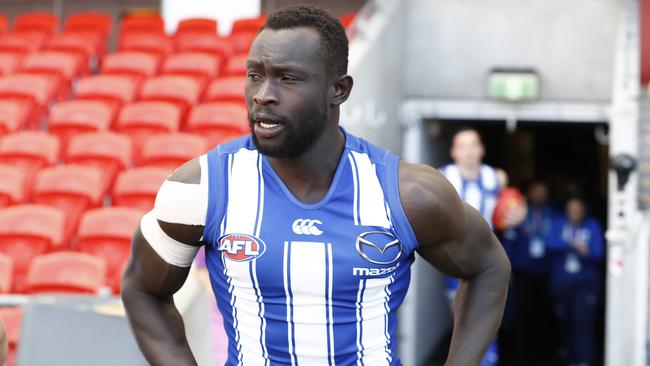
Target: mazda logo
{"x":379,"y":247}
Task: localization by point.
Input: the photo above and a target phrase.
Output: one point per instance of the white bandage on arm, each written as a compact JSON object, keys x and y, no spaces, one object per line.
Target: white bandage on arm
{"x":184,"y":203}
{"x":167,"y":248}
{"x":177,"y":203}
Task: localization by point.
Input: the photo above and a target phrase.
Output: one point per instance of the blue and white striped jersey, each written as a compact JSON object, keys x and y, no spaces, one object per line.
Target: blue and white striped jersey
{"x":308,"y":284}
{"x":482,"y":193}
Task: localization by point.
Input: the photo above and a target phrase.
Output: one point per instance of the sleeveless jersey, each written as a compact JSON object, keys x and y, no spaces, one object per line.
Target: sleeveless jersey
{"x":308,"y":284}
{"x":482,"y":193}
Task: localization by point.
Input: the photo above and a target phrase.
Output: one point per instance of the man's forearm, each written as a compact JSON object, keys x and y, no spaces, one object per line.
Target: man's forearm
{"x":478,"y":309}
{"x":158,"y":328}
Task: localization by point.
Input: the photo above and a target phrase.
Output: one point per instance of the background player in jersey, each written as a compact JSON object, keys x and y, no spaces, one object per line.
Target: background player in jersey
{"x":478,"y":185}
{"x":309,"y":231}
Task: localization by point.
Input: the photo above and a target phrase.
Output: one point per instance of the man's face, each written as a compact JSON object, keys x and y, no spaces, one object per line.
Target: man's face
{"x":538,"y":194}
{"x":467,"y":149}
{"x":575,"y":211}
{"x":286,"y":91}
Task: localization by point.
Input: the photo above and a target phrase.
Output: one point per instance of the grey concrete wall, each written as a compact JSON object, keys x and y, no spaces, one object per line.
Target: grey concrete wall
{"x":376,"y":61}
{"x":451,"y":45}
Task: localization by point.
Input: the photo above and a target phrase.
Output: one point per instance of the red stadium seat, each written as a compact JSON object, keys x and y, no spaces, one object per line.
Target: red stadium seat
{"x":156,"y":44}
{"x":89,"y":21}
{"x":218,"y":122}
{"x":35,"y":90}
{"x":183,"y":91}
{"x":78,"y":116}
{"x":13,"y":185}
{"x":71,"y":188}
{"x":27,"y":231}
{"x":42,"y":22}
{"x":142,"y":24}
{"x":30,"y":151}
{"x":66,"y":272}
{"x":236,"y":65}
{"x":113,"y":89}
{"x":41,"y":89}
{"x":140,"y":120}
{"x":9,"y":62}
{"x":203,"y":42}
{"x":88,"y":45}
{"x":21,"y":42}
{"x":248,"y":25}
{"x":106,"y":233}
{"x":63,"y":64}
{"x":108,"y":152}
{"x":241,"y":42}
{"x":6,"y":273}
{"x":14,"y":115}
{"x":131,"y":63}
{"x":199,"y":65}
{"x":137,"y":187}
{"x":172,"y":150}
{"x":230,"y":88}
{"x":197,"y":25}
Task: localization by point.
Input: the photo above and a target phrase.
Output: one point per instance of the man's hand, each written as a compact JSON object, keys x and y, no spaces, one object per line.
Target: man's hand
{"x":516,"y":215}
{"x":581,"y":248}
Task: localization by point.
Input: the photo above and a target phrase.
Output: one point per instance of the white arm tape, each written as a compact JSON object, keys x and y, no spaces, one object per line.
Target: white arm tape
{"x":184,"y":203}
{"x":167,"y":248}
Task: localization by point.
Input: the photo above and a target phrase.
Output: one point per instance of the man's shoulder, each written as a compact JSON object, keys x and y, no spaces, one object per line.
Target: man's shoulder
{"x":424,"y":188}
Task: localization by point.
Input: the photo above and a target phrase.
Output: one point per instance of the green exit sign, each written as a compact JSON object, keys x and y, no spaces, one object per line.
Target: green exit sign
{"x":513,"y":86}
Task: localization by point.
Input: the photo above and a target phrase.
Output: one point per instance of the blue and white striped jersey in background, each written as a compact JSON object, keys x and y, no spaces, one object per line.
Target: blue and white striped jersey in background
{"x":308,"y":284}
{"x":482,"y":193}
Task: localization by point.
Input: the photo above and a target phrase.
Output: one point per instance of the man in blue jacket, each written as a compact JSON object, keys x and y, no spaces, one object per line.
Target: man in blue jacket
{"x":533,"y":310}
{"x":576,"y":241}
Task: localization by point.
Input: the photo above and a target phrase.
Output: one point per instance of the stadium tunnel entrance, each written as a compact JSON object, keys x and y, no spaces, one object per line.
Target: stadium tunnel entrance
{"x":571,"y":157}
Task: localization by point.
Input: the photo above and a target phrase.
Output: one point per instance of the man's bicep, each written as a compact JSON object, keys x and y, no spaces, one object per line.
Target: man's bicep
{"x":147,"y":271}
{"x":467,"y":249}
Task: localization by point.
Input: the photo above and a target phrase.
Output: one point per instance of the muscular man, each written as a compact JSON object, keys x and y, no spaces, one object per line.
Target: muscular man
{"x":309,"y":231}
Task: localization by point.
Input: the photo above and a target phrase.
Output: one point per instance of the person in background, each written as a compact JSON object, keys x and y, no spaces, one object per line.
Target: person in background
{"x":479,"y":186}
{"x":577,"y":244}
{"x":527,"y":249}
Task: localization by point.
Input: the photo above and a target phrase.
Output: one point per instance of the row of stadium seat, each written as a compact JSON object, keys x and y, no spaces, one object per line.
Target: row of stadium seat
{"x":31,"y":230}
{"x":215,"y":121}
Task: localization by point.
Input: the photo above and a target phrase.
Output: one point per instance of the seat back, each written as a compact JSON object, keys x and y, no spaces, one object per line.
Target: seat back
{"x":199,"y":65}
{"x":113,"y":89}
{"x":13,"y":185}
{"x":66,"y":272}
{"x":137,"y":187}
{"x":42,"y":22}
{"x":6,"y":273}
{"x":27,"y":231}
{"x":29,"y":151}
{"x":74,"y":117}
{"x":218,"y":122}
{"x":106,"y":233}
{"x":131,"y":63}
{"x":202,"y":42}
{"x":14,"y":115}
{"x":228,"y":88}
{"x":183,"y":91}
{"x":70,"y":188}
{"x":197,"y":25}
{"x":172,"y":150}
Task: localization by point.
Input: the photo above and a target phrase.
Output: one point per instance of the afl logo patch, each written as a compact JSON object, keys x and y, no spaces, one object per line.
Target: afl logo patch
{"x":241,"y":247}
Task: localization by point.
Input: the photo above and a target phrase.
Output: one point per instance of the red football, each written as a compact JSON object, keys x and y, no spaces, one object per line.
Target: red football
{"x":509,"y":198}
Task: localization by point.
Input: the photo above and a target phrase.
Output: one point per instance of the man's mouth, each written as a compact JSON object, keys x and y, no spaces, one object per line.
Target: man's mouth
{"x":267,"y":126}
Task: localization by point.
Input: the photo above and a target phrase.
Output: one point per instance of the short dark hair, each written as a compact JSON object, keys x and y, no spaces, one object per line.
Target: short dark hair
{"x":462,"y":129}
{"x":334,"y":41}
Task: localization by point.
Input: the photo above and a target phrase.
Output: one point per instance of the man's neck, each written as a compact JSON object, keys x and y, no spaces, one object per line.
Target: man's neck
{"x":309,"y":176}
{"x":469,"y":172}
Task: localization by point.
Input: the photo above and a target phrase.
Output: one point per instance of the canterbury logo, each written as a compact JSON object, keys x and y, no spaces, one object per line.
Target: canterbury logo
{"x":306,"y":227}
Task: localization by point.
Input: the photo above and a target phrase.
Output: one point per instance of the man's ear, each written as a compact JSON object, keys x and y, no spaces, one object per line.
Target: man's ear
{"x":342,"y":88}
